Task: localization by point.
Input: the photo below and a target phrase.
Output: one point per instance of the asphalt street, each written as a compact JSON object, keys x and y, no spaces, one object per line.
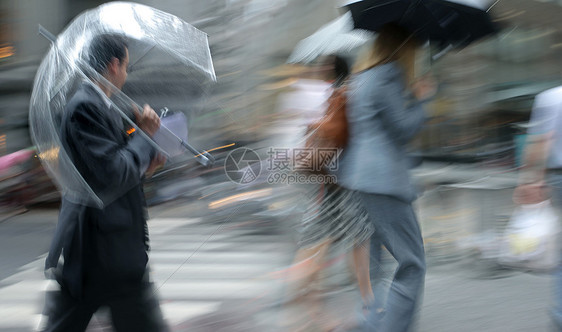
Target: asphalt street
{"x":221,"y":276}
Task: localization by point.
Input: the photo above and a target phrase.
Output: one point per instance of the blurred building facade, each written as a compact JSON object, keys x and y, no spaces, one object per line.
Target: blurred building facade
{"x":246,"y":36}
{"x":485,"y":88}
{"x":488,"y":88}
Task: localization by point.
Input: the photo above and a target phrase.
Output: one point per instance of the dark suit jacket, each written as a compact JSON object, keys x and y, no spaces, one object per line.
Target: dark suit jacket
{"x":103,"y":249}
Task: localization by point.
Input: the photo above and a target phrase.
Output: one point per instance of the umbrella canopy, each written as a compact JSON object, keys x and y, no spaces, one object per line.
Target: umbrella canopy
{"x":454,"y":23}
{"x":170,"y":66}
{"x":336,"y":37}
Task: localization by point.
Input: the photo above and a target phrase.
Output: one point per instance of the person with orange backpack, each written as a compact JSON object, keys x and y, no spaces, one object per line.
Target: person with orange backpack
{"x":333,"y":218}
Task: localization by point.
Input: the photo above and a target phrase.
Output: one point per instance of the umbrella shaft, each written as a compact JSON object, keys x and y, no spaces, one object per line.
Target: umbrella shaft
{"x":45,"y":33}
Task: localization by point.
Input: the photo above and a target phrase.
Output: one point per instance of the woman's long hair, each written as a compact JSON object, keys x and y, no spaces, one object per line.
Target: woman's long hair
{"x":341,"y":70}
{"x":393,"y":43}
{"x":329,"y":67}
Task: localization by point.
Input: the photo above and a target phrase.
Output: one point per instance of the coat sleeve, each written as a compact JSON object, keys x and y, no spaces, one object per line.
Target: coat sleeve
{"x":546,"y":109}
{"x":109,"y":166}
{"x":401,"y":113}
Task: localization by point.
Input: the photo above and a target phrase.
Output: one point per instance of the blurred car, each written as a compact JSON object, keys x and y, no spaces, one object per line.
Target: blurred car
{"x":24,"y":182}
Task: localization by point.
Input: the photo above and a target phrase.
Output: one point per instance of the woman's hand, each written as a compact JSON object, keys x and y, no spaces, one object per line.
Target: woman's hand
{"x":531,"y":193}
{"x":424,"y":88}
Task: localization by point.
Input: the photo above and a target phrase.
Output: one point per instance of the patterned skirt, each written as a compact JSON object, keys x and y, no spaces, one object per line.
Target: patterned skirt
{"x":336,"y":214}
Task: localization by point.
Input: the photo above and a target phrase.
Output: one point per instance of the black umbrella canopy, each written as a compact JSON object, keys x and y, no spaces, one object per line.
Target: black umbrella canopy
{"x":456,"y":23}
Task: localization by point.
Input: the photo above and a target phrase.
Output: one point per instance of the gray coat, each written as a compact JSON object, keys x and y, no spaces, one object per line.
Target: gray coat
{"x":383,"y":116}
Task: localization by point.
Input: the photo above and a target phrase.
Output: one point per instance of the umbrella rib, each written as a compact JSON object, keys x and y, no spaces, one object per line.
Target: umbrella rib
{"x":140,"y":58}
{"x":196,"y":65}
{"x":379,"y":5}
{"x":120,"y":93}
{"x":123,"y":115}
{"x":492,"y":6}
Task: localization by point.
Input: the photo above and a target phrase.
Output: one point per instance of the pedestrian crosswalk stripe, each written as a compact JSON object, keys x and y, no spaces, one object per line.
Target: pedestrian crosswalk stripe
{"x":215,"y":290}
{"x":214,"y":257}
{"x":164,"y":225}
{"x":218,"y":246}
{"x":211,"y":271}
{"x":195,"y":267}
{"x":176,"y":312}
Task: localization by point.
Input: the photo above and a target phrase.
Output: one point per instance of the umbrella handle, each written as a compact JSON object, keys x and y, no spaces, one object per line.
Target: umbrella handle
{"x":206,"y":159}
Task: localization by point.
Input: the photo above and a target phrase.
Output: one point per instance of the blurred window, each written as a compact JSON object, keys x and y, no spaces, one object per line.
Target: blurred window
{"x":7,"y":49}
{"x":75,"y":7}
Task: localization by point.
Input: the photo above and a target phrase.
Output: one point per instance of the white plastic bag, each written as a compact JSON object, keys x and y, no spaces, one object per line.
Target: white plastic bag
{"x":530,"y":240}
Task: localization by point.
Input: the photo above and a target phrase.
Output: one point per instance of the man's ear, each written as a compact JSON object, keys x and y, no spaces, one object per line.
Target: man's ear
{"x":113,"y":66}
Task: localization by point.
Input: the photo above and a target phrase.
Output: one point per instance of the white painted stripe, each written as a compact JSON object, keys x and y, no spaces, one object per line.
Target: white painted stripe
{"x":158,"y":257}
{"x":214,"y":268}
{"x":31,"y":274}
{"x":26,"y":290}
{"x":176,"y":312}
{"x":216,"y":290}
{"x":191,"y":272}
{"x":19,"y":316}
{"x":164,"y":225}
{"x":211,"y":236}
{"x":186,"y":238}
{"x":40,"y":261}
{"x":223,"y":246}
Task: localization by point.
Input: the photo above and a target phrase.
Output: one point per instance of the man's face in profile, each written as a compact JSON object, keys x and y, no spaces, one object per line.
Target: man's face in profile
{"x":121,"y":74}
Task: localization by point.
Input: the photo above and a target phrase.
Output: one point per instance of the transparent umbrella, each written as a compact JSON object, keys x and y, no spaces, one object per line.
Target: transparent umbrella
{"x":336,"y":37}
{"x":170,"y":66}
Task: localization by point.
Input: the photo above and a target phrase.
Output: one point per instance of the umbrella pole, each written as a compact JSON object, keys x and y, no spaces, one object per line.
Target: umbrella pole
{"x":203,"y":157}
{"x":148,"y":49}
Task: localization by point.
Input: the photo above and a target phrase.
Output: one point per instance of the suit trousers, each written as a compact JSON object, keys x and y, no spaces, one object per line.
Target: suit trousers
{"x":397,"y":228}
{"x":134,"y":308}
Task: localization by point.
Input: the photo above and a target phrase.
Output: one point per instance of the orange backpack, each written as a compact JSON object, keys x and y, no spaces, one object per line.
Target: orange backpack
{"x":331,"y":131}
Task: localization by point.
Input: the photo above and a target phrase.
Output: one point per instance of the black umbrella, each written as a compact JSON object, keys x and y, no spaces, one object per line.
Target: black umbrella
{"x":454,"y":23}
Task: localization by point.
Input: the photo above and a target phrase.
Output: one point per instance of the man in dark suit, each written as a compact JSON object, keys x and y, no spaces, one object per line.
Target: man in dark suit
{"x":104,"y":249}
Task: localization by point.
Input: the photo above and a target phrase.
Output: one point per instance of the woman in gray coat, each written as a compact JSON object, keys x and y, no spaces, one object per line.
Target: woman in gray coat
{"x":384,"y":114}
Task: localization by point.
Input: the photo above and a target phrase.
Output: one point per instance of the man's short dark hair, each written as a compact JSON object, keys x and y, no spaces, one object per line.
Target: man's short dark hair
{"x":105,"y":47}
